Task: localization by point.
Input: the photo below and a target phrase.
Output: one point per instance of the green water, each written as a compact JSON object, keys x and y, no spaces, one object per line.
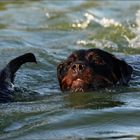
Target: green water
{"x":52,"y":30}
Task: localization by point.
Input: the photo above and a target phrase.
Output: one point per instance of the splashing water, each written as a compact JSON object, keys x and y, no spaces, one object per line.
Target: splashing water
{"x":135,"y":42}
{"x":89,"y":18}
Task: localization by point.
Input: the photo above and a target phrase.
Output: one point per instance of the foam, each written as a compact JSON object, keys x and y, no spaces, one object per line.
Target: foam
{"x":135,"y":42}
{"x":105,"y":22}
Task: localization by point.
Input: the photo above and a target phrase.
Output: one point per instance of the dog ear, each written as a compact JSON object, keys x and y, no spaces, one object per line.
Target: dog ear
{"x":8,"y":73}
{"x":122,"y":70}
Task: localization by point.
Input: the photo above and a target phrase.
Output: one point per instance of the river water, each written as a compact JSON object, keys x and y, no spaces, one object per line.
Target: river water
{"x":52,"y":30}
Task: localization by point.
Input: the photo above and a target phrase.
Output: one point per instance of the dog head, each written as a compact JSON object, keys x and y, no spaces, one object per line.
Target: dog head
{"x":87,"y":70}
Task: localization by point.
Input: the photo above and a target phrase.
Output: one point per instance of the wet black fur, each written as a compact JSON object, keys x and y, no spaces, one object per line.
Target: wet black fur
{"x":7,"y":76}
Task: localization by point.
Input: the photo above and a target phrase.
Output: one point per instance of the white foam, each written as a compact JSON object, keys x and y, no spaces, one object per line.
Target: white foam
{"x":138,"y":19}
{"x":90,"y":18}
{"x":47,"y":15}
{"x":135,"y":42}
{"x":109,"y":22}
{"x":83,"y":24}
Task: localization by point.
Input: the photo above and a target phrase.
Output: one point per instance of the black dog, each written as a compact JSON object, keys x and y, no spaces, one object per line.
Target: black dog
{"x":88,"y":70}
{"x":7,"y":76}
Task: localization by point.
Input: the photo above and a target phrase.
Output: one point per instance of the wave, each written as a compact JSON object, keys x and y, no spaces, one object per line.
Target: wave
{"x":105,"y":22}
{"x":135,"y":42}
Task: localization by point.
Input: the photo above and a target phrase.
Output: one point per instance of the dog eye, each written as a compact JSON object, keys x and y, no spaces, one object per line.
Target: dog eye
{"x":90,"y":56}
{"x":72,"y":57}
{"x":99,"y":61}
{"x":61,"y":68}
{"x":94,"y":58}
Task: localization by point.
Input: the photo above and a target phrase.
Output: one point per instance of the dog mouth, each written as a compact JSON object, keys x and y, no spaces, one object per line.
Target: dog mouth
{"x":78,"y":85}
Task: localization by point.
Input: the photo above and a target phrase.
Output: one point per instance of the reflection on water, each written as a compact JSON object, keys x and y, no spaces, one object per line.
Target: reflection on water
{"x":52,"y":30}
{"x":94,"y":100}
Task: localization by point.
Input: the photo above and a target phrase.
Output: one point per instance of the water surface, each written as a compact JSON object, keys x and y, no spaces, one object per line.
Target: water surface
{"x":52,"y":30}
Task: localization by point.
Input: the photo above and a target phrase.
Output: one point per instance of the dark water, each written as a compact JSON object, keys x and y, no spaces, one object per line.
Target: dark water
{"x":52,"y":30}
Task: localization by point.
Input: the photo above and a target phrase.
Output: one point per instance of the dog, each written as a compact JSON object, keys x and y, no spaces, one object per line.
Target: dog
{"x":7,"y":76}
{"x":92,"y":69}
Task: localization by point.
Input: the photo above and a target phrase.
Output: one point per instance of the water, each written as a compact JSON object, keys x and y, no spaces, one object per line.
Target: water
{"x":52,"y":30}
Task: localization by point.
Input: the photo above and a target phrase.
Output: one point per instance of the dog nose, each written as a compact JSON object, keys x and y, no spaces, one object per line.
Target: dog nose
{"x":78,"y":67}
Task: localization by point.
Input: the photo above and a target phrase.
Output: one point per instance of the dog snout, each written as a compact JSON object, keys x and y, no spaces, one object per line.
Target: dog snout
{"x":78,"y":67}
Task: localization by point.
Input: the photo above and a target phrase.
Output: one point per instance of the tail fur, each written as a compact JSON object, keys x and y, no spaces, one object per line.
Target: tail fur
{"x":8,"y":73}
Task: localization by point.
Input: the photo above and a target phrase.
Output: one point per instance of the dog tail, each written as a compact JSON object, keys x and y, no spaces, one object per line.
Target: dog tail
{"x":7,"y":75}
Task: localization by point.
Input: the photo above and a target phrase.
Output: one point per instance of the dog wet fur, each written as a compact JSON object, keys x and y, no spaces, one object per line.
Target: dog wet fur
{"x":92,"y":69}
